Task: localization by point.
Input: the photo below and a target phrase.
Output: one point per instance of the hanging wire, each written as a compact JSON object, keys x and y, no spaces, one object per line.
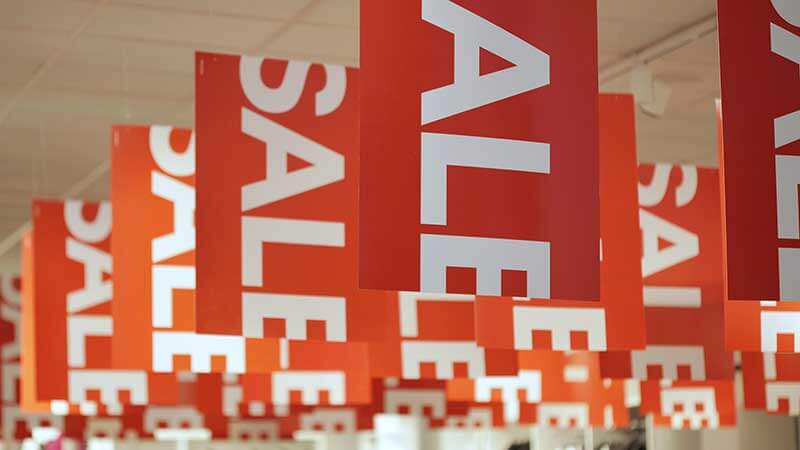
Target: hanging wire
{"x":126,"y":86}
{"x":39,"y":161}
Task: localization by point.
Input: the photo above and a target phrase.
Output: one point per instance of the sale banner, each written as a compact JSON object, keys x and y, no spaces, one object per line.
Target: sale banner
{"x":689,"y":404}
{"x":152,"y":190}
{"x":277,"y":187}
{"x":772,"y":382}
{"x":766,"y":326}
{"x":67,"y":348}
{"x":14,"y":423}
{"x":436,"y":340}
{"x":603,"y":398}
{"x":754,"y":326}
{"x":153,"y":171}
{"x":474,"y":179}
{"x":761,"y":158}
{"x":682,"y":266}
{"x":224,"y":393}
{"x":429,"y":399}
{"x":552,"y":389}
{"x":616,"y":322}
{"x":214,"y":401}
{"x":573,"y":393}
{"x":143,"y":424}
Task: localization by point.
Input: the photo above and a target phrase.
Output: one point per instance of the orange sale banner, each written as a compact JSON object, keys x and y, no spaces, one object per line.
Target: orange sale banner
{"x":772,"y":382}
{"x":152,"y":190}
{"x":552,"y":389}
{"x":682,"y":266}
{"x":691,"y":405}
{"x":67,"y":350}
{"x":473,"y":177}
{"x":429,"y":399}
{"x":766,"y":326}
{"x":154,"y":309}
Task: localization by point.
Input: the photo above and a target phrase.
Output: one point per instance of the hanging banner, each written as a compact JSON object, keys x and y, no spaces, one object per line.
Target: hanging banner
{"x":338,"y":374}
{"x":761,"y":159}
{"x":682,"y":266}
{"x":772,"y":382}
{"x":474,"y":179}
{"x":755,"y":326}
{"x":429,"y":399}
{"x":223,"y":394}
{"x":552,"y":389}
{"x":573,"y":394}
{"x":436,"y":340}
{"x":152,"y":190}
{"x":14,"y":423}
{"x":68,"y":351}
{"x":769,"y":327}
{"x":153,"y":253}
{"x":153,"y":186}
{"x":616,"y":322}
{"x":277,"y":185}
{"x":691,"y":405}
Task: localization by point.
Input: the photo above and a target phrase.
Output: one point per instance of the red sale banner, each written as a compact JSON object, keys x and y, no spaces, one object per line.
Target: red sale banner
{"x":761,"y":159}
{"x":755,"y":326}
{"x":277,"y":184}
{"x":68,"y":352}
{"x":689,"y":404}
{"x":772,"y":382}
{"x":680,"y":223}
{"x":616,"y":322}
{"x":474,"y":179}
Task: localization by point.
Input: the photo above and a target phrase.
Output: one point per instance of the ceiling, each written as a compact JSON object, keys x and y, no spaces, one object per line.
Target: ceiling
{"x":72,"y":68}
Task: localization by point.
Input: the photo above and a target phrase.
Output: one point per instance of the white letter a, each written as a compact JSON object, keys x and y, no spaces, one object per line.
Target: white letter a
{"x":470,"y":90}
{"x":327,"y":165}
{"x":686,"y":244}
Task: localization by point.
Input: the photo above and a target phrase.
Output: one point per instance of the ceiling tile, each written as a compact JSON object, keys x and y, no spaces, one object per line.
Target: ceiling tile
{"x":60,"y":108}
{"x":612,"y":38}
{"x":270,"y":9}
{"x":43,"y":15}
{"x":318,"y":43}
{"x":114,"y":80}
{"x":334,"y":12}
{"x":676,"y":13}
{"x":187,"y":28}
{"x":135,"y":54}
{"x":17,"y":72}
{"x":29,"y":45}
{"x":277,"y":9}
